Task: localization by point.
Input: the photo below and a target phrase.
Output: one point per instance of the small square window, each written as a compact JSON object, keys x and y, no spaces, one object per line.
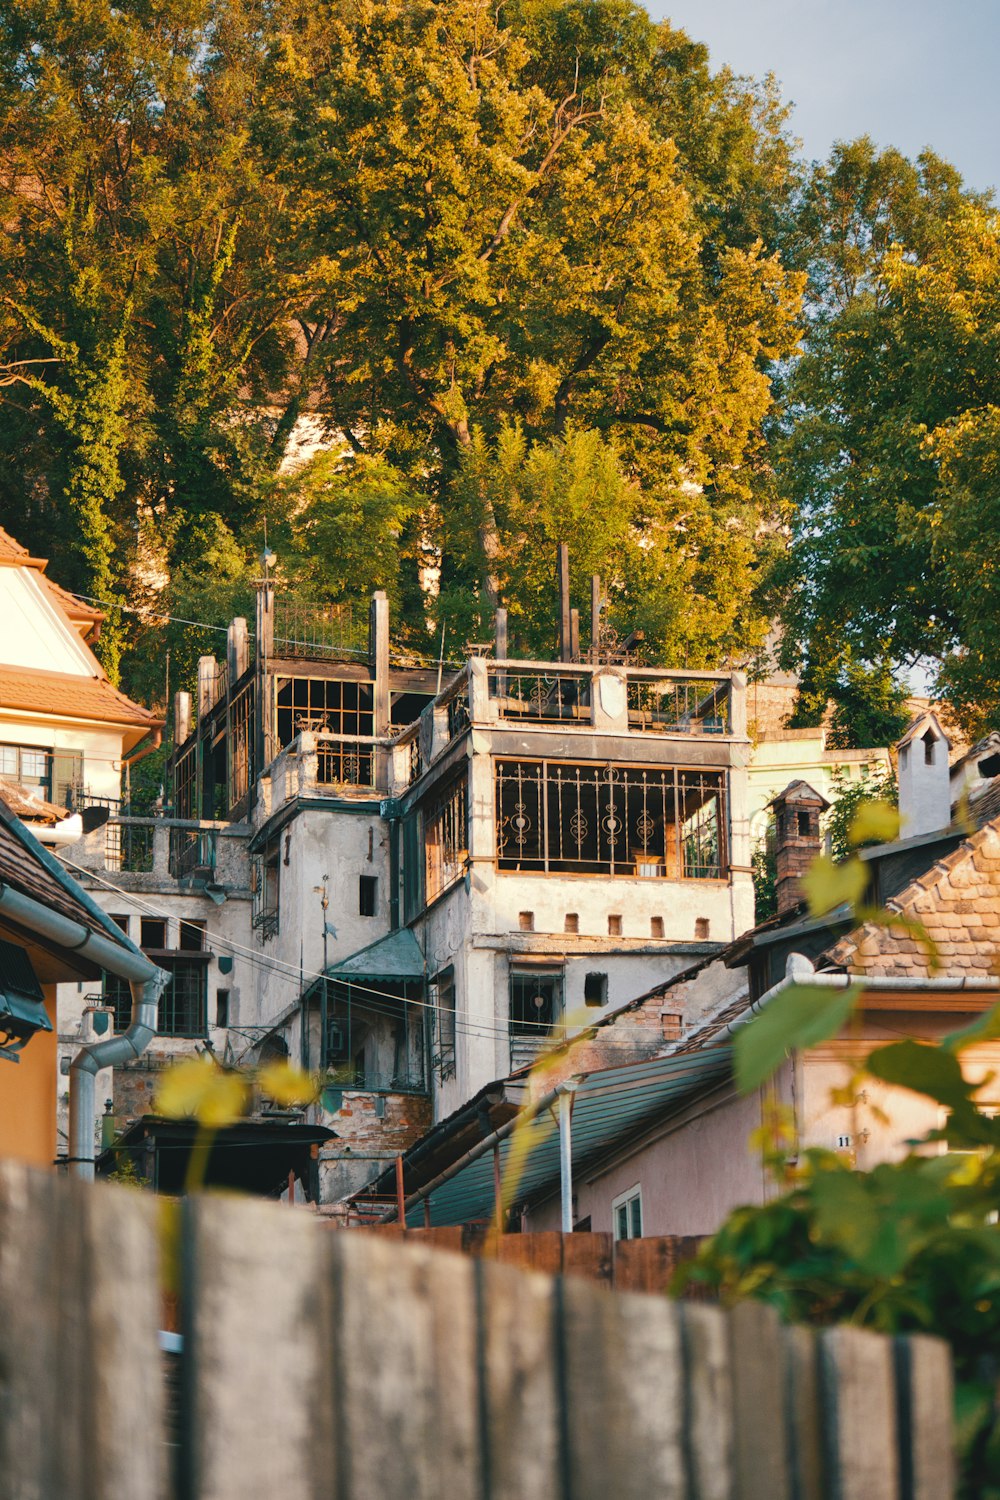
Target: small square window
{"x":701,"y":929}
{"x":192,"y":936}
{"x":152,"y":932}
{"x":572,"y":923}
{"x":595,"y":989}
{"x":367,"y":895}
{"x":526,"y":921}
{"x":120,"y":921}
{"x":656,"y":927}
{"x":614,"y":925}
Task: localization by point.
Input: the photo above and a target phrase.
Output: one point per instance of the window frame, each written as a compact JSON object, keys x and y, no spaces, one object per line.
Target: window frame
{"x":629,"y":1202}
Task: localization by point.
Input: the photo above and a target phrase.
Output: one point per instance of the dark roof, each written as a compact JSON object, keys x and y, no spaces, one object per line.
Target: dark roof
{"x":29,"y":868}
{"x":253,"y":1156}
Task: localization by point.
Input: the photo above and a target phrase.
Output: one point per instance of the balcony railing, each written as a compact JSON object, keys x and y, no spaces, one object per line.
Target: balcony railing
{"x":679,"y":705}
{"x":542,"y":696}
{"x":303,"y":629}
{"x":192,"y":851}
{"x":345,"y":760}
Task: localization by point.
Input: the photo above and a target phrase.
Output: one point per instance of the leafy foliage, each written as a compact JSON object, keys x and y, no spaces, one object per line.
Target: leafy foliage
{"x":849,"y":799}
{"x":912,"y":1245}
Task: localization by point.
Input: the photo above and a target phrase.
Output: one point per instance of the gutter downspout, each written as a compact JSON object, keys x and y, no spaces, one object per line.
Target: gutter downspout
{"x":146,"y":982}
{"x":155,"y":741}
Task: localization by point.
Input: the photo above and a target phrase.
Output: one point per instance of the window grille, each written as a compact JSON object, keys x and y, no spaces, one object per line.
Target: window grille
{"x":182,"y":1004}
{"x":324,"y":706}
{"x":678,"y":705}
{"x":264,"y":891}
{"x":446,"y":840}
{"x":536,"y":1007}
{"x":186,"y":784}
{"x":443,"y":992}
{"x":347,"y":762}
{"x":588,"y":819}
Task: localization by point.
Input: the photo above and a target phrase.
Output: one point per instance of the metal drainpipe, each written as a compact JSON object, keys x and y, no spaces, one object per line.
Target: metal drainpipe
{"x":145,"y":981}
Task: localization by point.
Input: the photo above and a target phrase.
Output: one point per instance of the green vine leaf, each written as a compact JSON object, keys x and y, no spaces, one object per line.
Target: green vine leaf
{"x":801,"y":1016}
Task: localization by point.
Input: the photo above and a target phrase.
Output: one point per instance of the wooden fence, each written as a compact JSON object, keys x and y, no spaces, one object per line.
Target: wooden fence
{"x":350,"y":1367}
{"x":645,"y":1265}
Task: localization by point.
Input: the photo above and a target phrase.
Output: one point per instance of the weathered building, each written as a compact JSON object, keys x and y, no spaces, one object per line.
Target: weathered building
{"x":441,"y":866}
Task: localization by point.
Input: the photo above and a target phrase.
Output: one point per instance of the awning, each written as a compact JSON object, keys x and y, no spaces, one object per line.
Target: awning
{"x":609,"y":1107}
{"x":397,"y":956}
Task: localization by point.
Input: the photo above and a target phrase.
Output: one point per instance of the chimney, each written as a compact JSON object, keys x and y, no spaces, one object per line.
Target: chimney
{"x":924,"y":778}
{"x":797,"y":838}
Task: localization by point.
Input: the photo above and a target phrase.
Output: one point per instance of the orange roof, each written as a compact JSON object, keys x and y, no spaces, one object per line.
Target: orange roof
{"x":27,"y":806}
{"x":12,"y":552}
{"x":70,"y":697}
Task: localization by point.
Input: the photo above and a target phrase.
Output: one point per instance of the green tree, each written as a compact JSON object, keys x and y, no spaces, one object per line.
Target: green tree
{"x":900,"y":347}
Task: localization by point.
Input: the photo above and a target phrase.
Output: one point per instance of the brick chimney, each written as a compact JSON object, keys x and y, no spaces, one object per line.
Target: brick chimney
{"x":797,"y":838}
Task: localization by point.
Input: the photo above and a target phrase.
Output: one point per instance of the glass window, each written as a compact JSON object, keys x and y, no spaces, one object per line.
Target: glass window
{"x":367,"y":895}
{"x":182,"y":1004}
{"x":593,"y":819}
{"x":446,"y":841}
{"x":152,"y":932}
{"x":626,"y":1215}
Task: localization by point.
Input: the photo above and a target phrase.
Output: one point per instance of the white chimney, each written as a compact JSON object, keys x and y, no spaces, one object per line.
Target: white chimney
{"x":924,"y":779}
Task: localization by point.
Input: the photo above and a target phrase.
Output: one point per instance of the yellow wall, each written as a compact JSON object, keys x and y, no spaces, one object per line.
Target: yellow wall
{"x":28,"y":1097}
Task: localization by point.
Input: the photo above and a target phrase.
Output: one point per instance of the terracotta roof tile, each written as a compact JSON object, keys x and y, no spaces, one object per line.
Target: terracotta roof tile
{"x":25,"y":804}
{"x":68,"y":696}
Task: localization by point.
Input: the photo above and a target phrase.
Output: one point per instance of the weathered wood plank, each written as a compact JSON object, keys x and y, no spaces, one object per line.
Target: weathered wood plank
{"x":760,"y":1436}
{"x":624,"y":1395}
{"x":438,"y":1237}
{"x":521,"y":1448}
{"x":859,"y":1410}
{"x":82,"y":1411}
{"x":257,"y":1401}
{"x":588,"y":1255}
{"x":406,"y":1378}
{"x":645,"y":1265}
{"x":709,"y":1406}
{"x":805,"y":1424}
{"x":541,"y":1250}
{"x":926,"y":1432}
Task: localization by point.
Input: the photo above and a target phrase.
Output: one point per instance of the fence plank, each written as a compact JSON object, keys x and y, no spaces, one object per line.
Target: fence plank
{"x":859,"y":1407}
{"x":926,"y":1433}
{"x":588,"y":1255}
{"x":760,"y":1437}
{"x":805,"y":1426}
{"x":82,"y":1409}
{"x":256,"y":1390}
{"x":407,"y":1390}
{"x":624,"y":1395}
{"x":539,"y":1251}
{"x":709,"y":1415}
{"x":521,"y":1452}
{"x":645,"y":1265}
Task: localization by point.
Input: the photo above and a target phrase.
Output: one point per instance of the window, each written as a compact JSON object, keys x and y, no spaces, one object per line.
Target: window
{"x":367,"y":895}
{"x":121,"y":921}
{"x":182,"y":1004}
{"x":626,"y":1215}
{"x":115,"y":991}
{"x":929,"y":739}
{"x":561,"y":818}
{"x":446,"y":843}
{"x":222,"y":1007}
{"x":152,"y":932}
{"x":615,"y":925}
{"x":572,"y":923}
{"x":656,"y":927}
{"x":535,"y":1002}
{"x":526,"y":921}
{"x":57,"y":775}
{"x":443,"y":993}
{"x":804,"y":824}
{"x":192,"y":936}
{"x":595,"y":989}
{"x":702,"y":926}
{"x":264,"y":890}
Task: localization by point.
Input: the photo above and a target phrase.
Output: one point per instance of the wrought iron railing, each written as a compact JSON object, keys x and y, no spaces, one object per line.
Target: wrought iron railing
{"x":307,"y":629}
{"x":128,"y":845}
{"x":679,"y":705}
{"x":345,"y":760}
{"x":192,"y":850}
{"x":545,"y":697}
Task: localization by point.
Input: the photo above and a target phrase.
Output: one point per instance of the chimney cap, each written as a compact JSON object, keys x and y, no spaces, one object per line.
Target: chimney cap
{"x":923,"y":724}
{"x":802,"y":792}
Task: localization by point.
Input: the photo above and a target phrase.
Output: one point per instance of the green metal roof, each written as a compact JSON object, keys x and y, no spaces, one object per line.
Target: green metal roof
{"x":608,"y":1107}
{"x":397,"y":956}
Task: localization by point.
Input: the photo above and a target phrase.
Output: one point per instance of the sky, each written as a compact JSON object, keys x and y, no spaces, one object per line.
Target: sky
{"x":909,"y":73}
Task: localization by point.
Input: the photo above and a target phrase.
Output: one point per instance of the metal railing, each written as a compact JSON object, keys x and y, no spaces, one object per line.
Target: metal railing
{"x":345,"y":760}
{"x":679,"y":705}
{"x":542,"y":695}
{"x":128,"y":845}
{"x":192,"y":851}
{"x":309,"y":629}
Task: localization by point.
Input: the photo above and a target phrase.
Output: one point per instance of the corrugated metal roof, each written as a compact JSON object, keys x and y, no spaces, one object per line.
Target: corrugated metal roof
{"x":607,"y":1107}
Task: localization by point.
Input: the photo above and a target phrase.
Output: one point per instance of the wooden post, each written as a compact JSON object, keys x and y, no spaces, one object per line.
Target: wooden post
{"x":182,"y":718}
{"x":757,"y":1358}
{"x":500,"y":634}
{"x":574,"y":634}
{"x":264,"y":725}
{"x":859,"y":1397}
{"x":497,"y":1190}
{"x":237,"y":650}
{"x":427,"y":1212}
{"x":562,"y":576}
{"x":400,"y":1193}
{"x":379,"y":652}
{"x":595,"y":616}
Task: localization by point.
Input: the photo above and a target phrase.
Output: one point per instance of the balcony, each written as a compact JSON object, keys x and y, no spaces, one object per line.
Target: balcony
{"x":163,"y":849}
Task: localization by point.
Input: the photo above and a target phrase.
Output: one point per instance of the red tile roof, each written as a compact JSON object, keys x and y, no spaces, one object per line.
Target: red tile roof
{"x":66,"y":696}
